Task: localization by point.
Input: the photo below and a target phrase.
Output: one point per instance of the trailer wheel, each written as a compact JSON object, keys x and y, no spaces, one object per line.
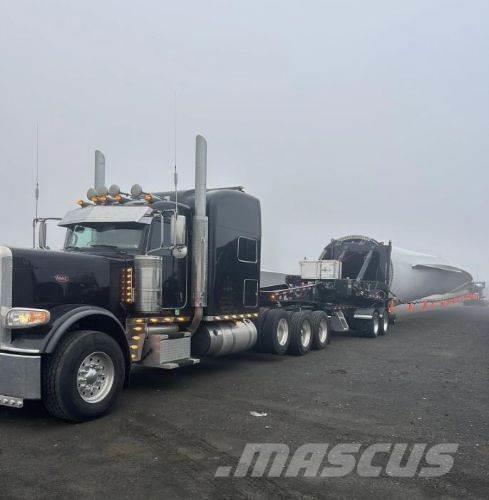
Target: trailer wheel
{"x":372,"y":326}
{"x":384,"y":323}
{"x":301,"y":333}
{"x":84,"y":377}
{"x":275,"y":334}
{"x":320,"y":330}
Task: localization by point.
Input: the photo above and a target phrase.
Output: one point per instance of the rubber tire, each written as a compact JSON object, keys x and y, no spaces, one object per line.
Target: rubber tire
{"x":296,"y":321}
{"x":316,"y":318}
{"x":368,"y":327}
{"x":384,"y":329}
{"x":59,"y":386}
{"x":269,"y":339}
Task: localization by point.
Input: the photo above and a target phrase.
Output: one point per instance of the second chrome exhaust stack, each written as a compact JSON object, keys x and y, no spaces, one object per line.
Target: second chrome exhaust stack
{"x":199,"y":234}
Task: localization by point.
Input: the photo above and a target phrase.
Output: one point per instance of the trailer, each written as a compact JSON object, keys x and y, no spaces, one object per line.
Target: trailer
{"x":356,"y":283}
{"x":323,"y":299}
{"x":162,"y":279}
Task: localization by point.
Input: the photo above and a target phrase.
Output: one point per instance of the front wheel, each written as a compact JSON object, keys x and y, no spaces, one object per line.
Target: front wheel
{"x":84,"y":377}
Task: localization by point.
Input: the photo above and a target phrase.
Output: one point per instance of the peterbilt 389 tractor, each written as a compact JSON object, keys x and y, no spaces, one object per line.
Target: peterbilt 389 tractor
{"x":158,"y":279}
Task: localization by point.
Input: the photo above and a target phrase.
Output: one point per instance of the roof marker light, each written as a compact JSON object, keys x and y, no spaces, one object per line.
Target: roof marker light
{"x":92,"y":195}
{"x":114,"y":190}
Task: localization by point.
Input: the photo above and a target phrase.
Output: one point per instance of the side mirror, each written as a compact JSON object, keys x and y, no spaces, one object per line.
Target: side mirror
{"x":178,"y":230}
{"x":42,"y":231}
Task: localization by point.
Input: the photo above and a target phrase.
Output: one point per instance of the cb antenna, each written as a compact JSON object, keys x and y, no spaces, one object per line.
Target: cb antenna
{"x":36,"y":192}
{"x":175,"y":173}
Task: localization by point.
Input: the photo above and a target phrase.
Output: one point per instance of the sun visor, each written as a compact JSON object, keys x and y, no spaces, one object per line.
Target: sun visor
{"x":101,"y":214}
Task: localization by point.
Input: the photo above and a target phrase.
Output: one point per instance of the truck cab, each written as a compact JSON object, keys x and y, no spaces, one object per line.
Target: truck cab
{"x":157,"y":279}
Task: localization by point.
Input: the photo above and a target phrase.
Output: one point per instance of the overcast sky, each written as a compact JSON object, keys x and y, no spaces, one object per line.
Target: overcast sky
{"x":343,"y":117}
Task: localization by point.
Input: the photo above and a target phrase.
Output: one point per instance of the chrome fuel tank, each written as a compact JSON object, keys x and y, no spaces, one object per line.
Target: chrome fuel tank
{"x":220,"y":339}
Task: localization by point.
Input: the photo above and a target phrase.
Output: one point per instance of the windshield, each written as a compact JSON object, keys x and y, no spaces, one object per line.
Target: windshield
{"x":127,"y":237}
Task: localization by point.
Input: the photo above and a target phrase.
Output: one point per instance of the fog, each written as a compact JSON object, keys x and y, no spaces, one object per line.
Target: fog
{"x":341,"y":117}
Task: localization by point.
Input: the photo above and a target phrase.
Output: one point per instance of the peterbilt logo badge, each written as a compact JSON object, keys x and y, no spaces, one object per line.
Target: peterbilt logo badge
{"x":62,"y":278}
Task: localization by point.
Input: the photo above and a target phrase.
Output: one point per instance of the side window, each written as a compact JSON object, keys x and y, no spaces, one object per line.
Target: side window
{"x":155,"y":238}
{"x":247,"y":250}
{"x":82,"y":236}
{"x":250,"y":293}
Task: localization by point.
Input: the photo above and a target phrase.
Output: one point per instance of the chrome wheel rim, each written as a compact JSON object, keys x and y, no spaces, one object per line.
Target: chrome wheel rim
{"x":305,"y":333}
{"x":385,"y":323}
{"x":323,"y":331}
{"x":375,"y":325}
{"x":282,"y":331}
{"x":95,"y":377}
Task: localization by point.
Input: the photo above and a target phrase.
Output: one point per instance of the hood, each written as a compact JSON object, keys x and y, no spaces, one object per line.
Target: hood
{"x":45,"y":279}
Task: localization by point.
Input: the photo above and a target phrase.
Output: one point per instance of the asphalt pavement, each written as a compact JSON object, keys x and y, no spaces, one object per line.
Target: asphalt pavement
{"x":425,"y":382}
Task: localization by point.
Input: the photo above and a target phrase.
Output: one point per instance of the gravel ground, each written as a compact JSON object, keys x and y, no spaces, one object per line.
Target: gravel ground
{"x":427,"y":381}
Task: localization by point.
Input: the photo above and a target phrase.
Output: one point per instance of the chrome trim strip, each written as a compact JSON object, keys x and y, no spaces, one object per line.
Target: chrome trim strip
{"x":229,"y":317}
{"x":19,"y":349}
{"x":18,"y":355}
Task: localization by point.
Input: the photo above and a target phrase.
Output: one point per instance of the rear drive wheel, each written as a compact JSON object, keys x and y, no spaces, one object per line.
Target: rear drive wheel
{"x":84,"y":377}
{"x":384,"y":323}
{"x":320,"y":329}
{"x":372,"y":326}
{"x":301,"y":333}
{"x":275,"y":333}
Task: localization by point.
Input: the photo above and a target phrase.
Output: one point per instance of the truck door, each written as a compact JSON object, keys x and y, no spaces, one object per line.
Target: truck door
{"x":174,"y":270}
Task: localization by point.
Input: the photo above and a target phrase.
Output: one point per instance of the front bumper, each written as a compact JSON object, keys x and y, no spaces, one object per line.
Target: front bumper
{"x":20,"y":378}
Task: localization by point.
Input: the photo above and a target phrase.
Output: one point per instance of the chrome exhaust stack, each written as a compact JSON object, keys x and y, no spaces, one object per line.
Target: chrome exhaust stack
{"x":99,"y":170}
{"x":199,"y":235}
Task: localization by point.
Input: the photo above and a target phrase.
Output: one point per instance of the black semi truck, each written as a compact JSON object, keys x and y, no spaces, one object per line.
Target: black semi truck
{"x":157,"y":279}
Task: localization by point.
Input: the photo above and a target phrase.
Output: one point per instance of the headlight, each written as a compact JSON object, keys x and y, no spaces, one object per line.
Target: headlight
{"x":19,"y":317}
